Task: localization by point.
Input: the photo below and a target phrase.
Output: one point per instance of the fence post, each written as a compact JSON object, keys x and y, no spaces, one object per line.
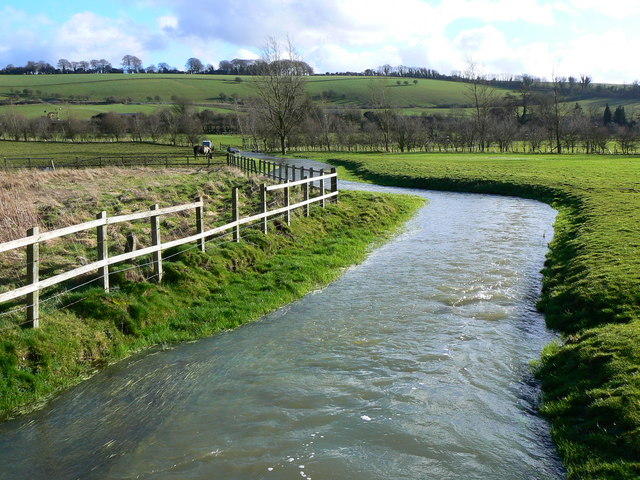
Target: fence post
{"x":293,"y":168}
{"x":305,"y":189}
{"x":236,"y":214}
{"x":33,"y":276}
{"x":103,"y":251}
{"x":334,"y":184}
{"x":155,"y":240}
{"x":287,"y":202}
{"x":200,"y":223}
{"x":263,"y":198}
{"x":286,"y":173}
{"x":322,"y":202}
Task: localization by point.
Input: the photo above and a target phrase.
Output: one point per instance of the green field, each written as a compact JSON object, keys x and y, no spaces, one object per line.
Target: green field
{"x":591,"y":380}
{"x":86,"y":111}
{"x":149,"y":92}
{"x":63,"y":150}
{"x":207,"y":88}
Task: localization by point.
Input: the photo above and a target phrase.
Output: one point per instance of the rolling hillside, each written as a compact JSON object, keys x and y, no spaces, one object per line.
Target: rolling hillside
{"x":82,"y":96}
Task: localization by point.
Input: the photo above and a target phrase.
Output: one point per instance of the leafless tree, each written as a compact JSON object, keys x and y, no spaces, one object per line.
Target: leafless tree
{"x":194,"y":65}
{"x":281,"y":90}
{"x":482,"y":97}
{"x":384,"y":113}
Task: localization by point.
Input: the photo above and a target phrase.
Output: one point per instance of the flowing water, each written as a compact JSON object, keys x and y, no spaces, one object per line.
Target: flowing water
{"x":413,"y":365}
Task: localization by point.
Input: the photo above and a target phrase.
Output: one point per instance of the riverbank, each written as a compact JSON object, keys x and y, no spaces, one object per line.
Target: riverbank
{"x":201,"y":294}
{"x":591,"y":293}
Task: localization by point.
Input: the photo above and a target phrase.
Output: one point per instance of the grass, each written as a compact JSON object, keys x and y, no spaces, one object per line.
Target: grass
{"x":591,"y":293}
{"x":201,"y":293}
{"x":86,"y":111}
{"x":95,"y":149}
{"x":148,"y":92}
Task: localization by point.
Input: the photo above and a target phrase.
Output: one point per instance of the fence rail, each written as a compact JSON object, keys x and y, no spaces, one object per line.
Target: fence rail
{"x":35,"y":237}
{"x":51,"y":163}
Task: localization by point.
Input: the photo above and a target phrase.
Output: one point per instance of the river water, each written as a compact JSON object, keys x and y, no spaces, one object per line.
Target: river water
{"x":413,"y":365}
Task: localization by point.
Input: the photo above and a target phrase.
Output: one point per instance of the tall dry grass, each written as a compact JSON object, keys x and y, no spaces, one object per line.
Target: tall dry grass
{"x":55,"y":199}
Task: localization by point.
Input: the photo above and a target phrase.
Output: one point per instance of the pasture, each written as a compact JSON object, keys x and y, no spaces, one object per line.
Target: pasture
{"x":84,"y":111}
{"x":591,"y":293}
{"x":82,"y":96}
{"x":62,"y":150}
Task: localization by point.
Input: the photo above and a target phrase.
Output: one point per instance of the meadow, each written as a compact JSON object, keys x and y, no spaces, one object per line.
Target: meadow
{"x":81,"y":96}
{"x":63,"y":150}
{"x":591,"y":293}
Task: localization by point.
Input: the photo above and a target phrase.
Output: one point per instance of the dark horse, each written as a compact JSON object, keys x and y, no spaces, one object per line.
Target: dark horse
{"x":202,"y":150}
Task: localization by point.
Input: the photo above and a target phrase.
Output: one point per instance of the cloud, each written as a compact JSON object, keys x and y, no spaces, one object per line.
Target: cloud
{"x":618,"y":9}
{"x":88,"y":35}
{"x":23,"y":36}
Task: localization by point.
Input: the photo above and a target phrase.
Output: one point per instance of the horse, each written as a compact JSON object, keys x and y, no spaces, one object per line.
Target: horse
{"x":202,"y":150}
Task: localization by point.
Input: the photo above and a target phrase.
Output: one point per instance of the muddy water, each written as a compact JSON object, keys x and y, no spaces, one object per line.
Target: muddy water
{"x":414,"y":365}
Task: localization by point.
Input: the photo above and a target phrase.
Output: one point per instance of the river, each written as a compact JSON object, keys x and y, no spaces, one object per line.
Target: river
{"x":413,"y":365}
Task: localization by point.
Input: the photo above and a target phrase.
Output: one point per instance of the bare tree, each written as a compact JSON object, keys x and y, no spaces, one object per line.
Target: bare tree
{"x":281,"y":90}
{"x":194,"y":65}
{"x":482,"y":97}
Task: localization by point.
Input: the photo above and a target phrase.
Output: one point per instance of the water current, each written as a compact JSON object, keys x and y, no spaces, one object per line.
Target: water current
{"x":413,"y":365}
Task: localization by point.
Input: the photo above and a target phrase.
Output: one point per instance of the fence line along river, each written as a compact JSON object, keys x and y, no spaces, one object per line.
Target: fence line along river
{"x":413,"y":365}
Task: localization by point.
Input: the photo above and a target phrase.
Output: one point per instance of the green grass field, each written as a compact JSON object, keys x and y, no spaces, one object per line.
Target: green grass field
{"x":86,"y":111}
{"x":57,"y":150}
{"x":153,"y":91}
{"x":591,"y":380}
{"x":207,"y":88}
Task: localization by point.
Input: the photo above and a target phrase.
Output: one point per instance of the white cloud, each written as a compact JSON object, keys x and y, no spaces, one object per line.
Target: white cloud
{"x":87,"y":35}
{"x":168,"y":22}
{"x":618,"y":9}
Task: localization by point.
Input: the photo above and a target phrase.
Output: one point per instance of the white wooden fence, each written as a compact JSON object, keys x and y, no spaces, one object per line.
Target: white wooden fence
{"x":35,"y":238}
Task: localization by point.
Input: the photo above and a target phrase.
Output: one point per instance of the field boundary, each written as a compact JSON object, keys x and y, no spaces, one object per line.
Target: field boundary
{"x":34,"y":237}
{"x":51,"y":163}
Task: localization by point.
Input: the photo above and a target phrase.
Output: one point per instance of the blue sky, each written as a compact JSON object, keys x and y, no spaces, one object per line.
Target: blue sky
{"x":539,"y":37}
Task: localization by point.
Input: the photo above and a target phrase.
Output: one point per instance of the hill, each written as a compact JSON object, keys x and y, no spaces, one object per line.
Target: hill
{"x":82,"y":96}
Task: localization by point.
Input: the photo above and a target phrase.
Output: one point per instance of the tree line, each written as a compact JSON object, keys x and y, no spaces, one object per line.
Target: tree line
{"x":502,"y":128}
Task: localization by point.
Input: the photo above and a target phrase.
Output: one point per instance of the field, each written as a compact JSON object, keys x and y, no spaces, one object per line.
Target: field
{"x":149,"y":92}
{"x":591,"y":381}
{"x":63,"y":150}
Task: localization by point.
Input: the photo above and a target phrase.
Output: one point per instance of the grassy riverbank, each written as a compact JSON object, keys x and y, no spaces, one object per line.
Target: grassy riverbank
{"x":591,"y":381}
{"x":201,"y":294}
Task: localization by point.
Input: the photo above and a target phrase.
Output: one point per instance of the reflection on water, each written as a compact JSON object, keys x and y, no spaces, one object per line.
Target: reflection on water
{"x":413,"y":365}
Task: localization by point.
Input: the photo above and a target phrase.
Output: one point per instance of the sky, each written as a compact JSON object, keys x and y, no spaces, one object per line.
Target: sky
{"x":544,"y":38}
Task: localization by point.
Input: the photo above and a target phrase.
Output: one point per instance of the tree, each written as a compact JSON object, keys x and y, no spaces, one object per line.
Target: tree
{"x":619,"y":117}
{"x":194,"y":65}
{"x":482,"y":97}
{"x":131,"y":64}
{"x":607,"y":118}
{"x":557,"y":113}
{"x":384,"y":115}
{"x":64,"y":65}
{"x":281,"y":90}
